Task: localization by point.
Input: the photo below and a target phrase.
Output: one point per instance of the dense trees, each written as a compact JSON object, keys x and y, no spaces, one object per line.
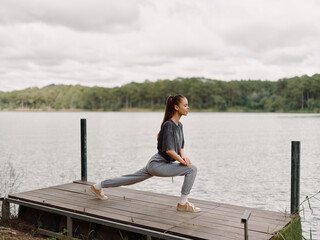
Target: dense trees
{"x":289,"y":94}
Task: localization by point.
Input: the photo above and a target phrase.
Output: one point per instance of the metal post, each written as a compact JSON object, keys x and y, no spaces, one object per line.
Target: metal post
{"x":83,"y":150}
{"x":295,"y":177}
{"x":244,"y":220}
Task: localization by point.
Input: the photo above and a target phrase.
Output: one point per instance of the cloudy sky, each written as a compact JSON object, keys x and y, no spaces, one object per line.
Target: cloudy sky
{"x":113,"y":42}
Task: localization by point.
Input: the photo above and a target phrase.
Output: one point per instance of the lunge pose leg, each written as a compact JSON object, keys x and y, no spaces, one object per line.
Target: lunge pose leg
{"x":128,"y":179}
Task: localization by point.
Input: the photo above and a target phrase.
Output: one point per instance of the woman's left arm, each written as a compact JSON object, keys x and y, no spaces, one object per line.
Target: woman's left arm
{"x":183,"y":156}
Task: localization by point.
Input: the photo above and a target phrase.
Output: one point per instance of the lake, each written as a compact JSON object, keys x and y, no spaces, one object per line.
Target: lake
{"x":242,"y":158}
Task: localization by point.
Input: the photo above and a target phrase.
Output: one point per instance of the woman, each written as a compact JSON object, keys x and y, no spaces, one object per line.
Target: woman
{"x":170,"y":160}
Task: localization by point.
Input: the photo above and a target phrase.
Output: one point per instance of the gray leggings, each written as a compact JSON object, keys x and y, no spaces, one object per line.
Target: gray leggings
{"x":157,"y":166}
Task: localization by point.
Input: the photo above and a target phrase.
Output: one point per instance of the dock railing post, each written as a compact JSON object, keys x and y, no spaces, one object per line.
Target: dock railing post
{"x":83,"y":149}
{"x":295,"y":176}
{"x":244,"y":220}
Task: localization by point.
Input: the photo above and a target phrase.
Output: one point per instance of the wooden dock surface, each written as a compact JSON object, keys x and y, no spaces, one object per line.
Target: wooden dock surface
{"x":158,"y":212}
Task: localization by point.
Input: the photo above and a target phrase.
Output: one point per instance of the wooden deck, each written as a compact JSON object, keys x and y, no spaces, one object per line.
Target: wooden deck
{"x":158,"y":212}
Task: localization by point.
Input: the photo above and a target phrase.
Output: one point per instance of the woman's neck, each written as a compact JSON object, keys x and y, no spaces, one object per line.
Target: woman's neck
{"x":176,"y":118}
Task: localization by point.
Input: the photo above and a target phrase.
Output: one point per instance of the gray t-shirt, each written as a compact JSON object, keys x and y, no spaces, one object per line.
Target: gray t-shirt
{"x":170,"y":138}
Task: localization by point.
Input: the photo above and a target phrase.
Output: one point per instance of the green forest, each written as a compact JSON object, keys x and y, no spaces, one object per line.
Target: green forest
{"x":297,"y":94}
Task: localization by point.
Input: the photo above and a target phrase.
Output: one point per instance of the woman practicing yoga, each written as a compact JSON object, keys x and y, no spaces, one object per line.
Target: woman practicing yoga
{"x":169,"y":161}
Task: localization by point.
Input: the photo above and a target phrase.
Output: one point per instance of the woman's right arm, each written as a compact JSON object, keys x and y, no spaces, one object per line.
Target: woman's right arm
{"x":176,"y":157}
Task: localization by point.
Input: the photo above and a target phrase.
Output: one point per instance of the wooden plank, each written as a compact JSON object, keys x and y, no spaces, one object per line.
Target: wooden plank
{"x":218,"y":231}
{"x":221,"y":214}
{"x":254,"y":226}
{"x":240,"y":211}
{"x":258,"y":211}
{"x":203,"y":235}
{"x":223,"y":229}
{"x":259,"y":224}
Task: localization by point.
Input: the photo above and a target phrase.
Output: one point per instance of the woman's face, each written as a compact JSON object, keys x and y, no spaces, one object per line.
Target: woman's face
{"x":183,"y":107}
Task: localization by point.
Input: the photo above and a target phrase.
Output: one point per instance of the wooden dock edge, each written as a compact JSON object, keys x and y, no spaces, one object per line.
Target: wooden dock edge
{"x":291,"y":231}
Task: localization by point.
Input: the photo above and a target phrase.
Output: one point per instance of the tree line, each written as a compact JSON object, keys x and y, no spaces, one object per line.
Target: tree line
{"x":285,"y":95}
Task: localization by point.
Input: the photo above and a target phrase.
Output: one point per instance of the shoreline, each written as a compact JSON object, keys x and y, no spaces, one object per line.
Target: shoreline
{"x":150,"y":110}
{"x":17,"y":229}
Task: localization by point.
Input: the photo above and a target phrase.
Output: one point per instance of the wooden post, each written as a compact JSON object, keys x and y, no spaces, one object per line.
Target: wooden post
{"x":83,"y":150}
{"x":244,"y":220}
{"x":5,"y":209}
{"x":69,"y":226}
{"x":295,"y":177}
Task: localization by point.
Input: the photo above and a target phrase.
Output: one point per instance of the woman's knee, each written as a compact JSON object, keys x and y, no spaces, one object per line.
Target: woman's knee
{"x":193,"y":168}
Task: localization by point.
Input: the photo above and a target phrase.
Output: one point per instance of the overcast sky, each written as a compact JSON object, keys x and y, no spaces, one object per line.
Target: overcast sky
{"x":111,"y":43}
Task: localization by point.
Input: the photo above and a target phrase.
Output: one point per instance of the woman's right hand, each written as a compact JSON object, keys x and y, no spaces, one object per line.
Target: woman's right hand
{"x":176,"y":157}
{"x":187,"y":161}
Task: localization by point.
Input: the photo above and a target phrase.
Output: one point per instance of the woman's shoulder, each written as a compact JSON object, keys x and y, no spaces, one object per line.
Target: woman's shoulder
{"x":168,"y":123}
{"x":171,"y":123}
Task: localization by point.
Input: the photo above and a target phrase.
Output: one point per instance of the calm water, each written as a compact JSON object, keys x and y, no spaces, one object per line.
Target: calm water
{"x":243,"y":158}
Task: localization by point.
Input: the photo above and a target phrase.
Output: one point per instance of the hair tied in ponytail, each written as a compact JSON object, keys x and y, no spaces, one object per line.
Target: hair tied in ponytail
{"x":172,"y":100}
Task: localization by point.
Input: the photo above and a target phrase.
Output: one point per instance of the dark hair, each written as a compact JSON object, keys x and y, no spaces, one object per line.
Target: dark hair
{"x":171,"y":102}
